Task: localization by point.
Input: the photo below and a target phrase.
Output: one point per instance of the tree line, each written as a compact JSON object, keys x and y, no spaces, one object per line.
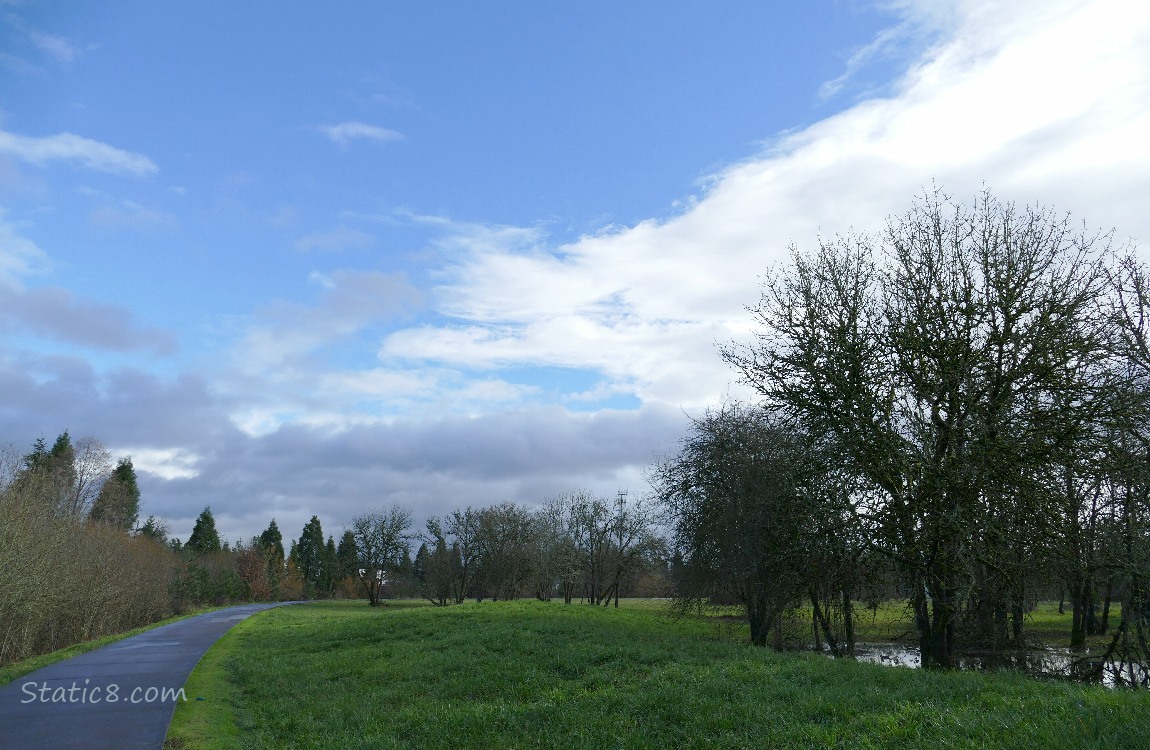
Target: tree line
{"x":960,"y":405}
{"x":76,"y":561}
{"x":576,"y":546}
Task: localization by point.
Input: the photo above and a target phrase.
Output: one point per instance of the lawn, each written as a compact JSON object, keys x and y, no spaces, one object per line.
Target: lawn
{"x":532,"y":674}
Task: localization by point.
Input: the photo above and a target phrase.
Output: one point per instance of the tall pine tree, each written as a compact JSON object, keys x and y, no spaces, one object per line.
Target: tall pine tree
{"x":309,"y":552}
{"x":118,"y":503}
{"x":271,"y":541}
{"x":204,"y":538}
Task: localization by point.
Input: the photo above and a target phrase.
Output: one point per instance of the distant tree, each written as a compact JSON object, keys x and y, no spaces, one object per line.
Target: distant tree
{"x":91,"y":468}
{"x":252,"y":568}
{"x":551,"y":549}
{"x":346,"y":556}
{"x":504,"y":540}
{"x":438,"y":573}
{"x":460,"y":533}
{"x":67,"y":476}
{"x":118,"y":503}
{"x":272,"y":543}
{"x":155,"y":529}
{"x":204,"y":539}
{"x":381,"y":542}
{"x":330,"y":575}
{"x":309,"y":553}
{"x":272,"y":540}
{"x":62,"y":469}
{"x":588,"y":520}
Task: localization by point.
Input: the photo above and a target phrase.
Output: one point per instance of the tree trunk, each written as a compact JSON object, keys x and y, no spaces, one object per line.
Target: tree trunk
{"x":943,"y":630}
{"x":759,"y":621}
{"x":1016,"y":620}
{"x":1104,"y":622}
{"x":849,"y":622}
{"x":821,"y":621}
{"x":922,"y":622}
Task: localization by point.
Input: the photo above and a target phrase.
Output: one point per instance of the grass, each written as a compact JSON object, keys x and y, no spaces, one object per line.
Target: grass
{"x":531,"y":674}
{"x":18,"y":669}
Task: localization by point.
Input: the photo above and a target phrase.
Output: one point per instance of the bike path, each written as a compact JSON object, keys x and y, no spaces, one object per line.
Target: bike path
{"x":120,"y":696}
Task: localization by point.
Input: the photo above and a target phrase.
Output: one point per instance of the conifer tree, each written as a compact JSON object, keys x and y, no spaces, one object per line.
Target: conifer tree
{"x":118,"y":503}
{"x":330,"y":573}
{"x":204,"y":538}
{"x":271,"y":541}
{"x":308,"y":553}
{"x":155,"y":529}
{"x":346,"y":555}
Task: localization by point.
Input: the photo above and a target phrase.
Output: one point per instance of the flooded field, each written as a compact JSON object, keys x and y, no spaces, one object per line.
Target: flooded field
{"x":1046,"y":663}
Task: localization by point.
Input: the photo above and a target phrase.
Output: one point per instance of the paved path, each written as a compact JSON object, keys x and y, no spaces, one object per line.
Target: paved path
{"x":112,"y":697}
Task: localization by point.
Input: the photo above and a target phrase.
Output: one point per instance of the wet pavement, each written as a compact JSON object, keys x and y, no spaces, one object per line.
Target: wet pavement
{"x":120,"y":696}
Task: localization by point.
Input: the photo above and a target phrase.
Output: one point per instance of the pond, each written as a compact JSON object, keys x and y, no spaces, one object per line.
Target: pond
{"x":1048,"y":663}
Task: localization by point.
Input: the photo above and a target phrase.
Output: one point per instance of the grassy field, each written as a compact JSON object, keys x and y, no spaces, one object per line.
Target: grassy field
{"x":529,"y":674}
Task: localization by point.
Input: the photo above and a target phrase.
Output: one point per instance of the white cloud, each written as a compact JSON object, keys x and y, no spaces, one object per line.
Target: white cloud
{"x":1039,"y":101}
{"x":340,"y":238}
{"x":73,"y":148}
{"x":346,"y":132}
{"x":56,"y":46}
{"x":165,"y":463}
{"x":19,"y":256}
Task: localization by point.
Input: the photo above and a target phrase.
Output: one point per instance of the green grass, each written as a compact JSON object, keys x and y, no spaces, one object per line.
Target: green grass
{"x":530,"y":674}
{"x":18,"y":669}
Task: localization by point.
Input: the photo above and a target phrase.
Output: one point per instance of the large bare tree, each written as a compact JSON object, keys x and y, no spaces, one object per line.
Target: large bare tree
{"x":958,"y":359}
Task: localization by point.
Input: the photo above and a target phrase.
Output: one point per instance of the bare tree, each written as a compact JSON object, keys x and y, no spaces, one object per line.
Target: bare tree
{"x":504,"y":540}
{"x":956,"y":360}
{"x":92,"y":466}
{"x":460,"y":534}
{"x":381,"y":542}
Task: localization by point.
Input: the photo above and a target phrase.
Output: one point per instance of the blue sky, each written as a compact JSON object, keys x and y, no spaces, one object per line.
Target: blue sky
{"x":302,"y":261}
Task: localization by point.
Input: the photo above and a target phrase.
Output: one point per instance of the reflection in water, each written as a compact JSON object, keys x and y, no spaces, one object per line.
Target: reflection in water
{"x":1048,"y":663}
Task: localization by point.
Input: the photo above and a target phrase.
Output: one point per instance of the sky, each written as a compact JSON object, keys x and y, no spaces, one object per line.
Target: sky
{"x":298,"y":260}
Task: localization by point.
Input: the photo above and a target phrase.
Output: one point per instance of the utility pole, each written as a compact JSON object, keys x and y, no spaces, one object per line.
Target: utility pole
{"x":622,"y":498}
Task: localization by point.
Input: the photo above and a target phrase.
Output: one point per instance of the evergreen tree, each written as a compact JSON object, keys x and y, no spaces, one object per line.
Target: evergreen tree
{"x":155,"y":529}
{"x":309,"y":553}
{"x":50,"y":472}
{"x":346,"y":555}
{"x":271,"y":541}
{"x":118,"y":503}
{"x":404,"y":580}
{"x":204,"y":538}
{"x":63,"y":470}
{"x":330,"y":567}
{"x":420,"y":565}
{"x":39,"y":459}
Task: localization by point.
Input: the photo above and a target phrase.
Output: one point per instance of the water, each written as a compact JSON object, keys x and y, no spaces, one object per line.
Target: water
{"x":1050,"y":663}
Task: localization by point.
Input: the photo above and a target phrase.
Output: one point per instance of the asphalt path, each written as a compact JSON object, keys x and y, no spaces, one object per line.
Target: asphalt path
{"x":120,"y":696}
